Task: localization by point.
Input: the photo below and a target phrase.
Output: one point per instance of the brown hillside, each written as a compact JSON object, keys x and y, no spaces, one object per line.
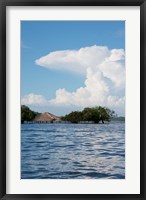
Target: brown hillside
{"x":46,"y":117}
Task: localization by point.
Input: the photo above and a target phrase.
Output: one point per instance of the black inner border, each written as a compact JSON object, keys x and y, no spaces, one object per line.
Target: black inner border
{"x":3,"y":5}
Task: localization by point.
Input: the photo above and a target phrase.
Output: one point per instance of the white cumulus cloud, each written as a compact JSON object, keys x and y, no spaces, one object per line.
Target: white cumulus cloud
{"x":99,"y":58}
{"x":104,"y":71}
{"x":74,"y":60}
{"x":33,"y":99}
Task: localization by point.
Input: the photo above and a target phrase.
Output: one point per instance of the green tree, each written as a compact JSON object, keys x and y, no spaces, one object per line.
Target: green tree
{"x":95,"y":114}
{"x":73,"y":117}
{"x":27,"y":114}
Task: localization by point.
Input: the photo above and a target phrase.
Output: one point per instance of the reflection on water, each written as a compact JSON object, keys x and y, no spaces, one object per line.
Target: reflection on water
{"x":73,"y":151}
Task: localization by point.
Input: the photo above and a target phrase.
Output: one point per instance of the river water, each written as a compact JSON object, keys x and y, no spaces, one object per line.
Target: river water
{"x":73,"y":151}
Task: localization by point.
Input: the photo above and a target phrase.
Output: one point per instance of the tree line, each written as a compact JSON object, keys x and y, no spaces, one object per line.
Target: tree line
{"x":95,"y":114}
{"x":27,"y":114}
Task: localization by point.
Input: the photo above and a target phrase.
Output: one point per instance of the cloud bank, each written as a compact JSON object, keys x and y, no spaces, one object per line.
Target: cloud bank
{"x":104,"y":72}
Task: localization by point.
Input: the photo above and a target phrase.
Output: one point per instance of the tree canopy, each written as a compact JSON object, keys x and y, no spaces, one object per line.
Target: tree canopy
{"x":95,"y":114}
{"x":27,"y":114}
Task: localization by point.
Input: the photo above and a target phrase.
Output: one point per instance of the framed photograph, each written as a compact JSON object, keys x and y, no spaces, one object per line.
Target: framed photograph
{"x":72,"y":99}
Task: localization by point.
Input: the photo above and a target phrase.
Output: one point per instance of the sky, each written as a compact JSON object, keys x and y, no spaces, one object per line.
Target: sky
{"x":69,"y":65}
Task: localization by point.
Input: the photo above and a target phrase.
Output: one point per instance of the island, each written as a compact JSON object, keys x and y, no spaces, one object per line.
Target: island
{"x":88,"y":115}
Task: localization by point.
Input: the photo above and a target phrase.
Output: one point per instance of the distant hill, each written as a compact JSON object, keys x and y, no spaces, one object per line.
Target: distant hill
{"x":27,"y":115}
{"x":118,"y":118}
{"x":45,"y":117}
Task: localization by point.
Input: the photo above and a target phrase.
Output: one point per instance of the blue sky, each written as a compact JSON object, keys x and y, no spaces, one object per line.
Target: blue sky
{"x":51,"y":64}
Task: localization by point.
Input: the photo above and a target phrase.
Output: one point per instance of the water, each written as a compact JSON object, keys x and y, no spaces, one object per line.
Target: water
{"x":73,"y":151}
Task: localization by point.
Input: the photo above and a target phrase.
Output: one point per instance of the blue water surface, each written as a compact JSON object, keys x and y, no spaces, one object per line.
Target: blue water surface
{"x":73,"y":151}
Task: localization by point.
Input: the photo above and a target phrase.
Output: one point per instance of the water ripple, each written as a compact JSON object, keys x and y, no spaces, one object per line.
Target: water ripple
{"x":73,"y":151}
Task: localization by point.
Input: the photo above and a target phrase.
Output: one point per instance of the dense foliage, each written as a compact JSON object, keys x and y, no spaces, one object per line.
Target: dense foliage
{"x":95,"y":114}
{"x":27,"y":114}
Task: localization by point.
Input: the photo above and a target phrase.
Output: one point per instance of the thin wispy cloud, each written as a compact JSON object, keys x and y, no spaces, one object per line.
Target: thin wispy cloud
{"x":24,"y":46}
{"x":120,"y":33}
